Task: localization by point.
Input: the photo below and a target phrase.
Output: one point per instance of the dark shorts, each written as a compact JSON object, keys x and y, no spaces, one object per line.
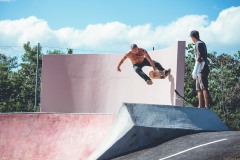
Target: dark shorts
{"x":202,"y":82}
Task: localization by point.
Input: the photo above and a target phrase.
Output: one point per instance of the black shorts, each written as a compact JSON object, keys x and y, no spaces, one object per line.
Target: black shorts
{"x":202,"y":82}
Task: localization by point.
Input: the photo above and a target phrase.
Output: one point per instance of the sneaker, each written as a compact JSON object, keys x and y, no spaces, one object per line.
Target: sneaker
{"x":149,"y":82}
{"x":167,"y":72}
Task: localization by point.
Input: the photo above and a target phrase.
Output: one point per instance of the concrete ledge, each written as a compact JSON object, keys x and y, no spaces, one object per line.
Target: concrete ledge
{"x":140,"y":126}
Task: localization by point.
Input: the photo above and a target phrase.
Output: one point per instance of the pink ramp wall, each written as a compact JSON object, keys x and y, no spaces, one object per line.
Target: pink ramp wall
{"x":90,"y":83}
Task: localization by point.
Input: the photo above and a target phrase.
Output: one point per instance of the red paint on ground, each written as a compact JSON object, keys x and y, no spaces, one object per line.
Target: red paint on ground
{"x":51,"y":136}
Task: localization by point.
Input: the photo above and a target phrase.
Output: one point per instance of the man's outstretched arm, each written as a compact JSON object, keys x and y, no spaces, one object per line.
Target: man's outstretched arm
{"x":121,"y":62}
{"x":149,"y":59}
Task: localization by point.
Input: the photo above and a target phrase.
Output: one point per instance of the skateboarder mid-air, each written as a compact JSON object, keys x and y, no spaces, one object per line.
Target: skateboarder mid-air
{"x":140,"y":58}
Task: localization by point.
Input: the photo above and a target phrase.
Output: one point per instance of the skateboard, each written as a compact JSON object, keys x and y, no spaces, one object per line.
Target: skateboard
{"x":156,"y":74}
{"x":179,"y":96}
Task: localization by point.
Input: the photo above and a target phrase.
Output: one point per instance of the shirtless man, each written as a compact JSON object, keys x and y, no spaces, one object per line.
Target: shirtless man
{"x":140,"y":58}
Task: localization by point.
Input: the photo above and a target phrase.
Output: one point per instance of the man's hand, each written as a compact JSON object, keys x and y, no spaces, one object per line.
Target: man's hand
{"x":122,"y":60}
{"x":119,"y":69}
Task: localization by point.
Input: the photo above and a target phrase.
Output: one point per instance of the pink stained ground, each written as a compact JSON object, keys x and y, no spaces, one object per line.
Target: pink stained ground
{"x":51,"y":136}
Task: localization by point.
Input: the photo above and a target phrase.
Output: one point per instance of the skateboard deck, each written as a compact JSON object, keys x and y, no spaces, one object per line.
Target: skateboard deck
{"x":156,"y":74}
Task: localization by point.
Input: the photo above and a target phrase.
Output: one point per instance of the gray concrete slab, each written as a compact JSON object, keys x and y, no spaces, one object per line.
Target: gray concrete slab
{"x":140,"y":126}
{"x":201,"y":146}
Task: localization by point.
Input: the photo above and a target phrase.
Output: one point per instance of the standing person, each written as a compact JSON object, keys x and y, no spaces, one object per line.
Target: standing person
{"x":203,"y":71}
{"x":140,"y":58}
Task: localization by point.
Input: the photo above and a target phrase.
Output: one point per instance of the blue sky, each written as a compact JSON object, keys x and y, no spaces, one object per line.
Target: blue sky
{"x":97,"y":24}
{"x":79,"y":13}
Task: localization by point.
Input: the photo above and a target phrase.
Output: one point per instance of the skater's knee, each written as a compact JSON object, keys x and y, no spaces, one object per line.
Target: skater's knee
{"x":159,"y":66}
{"x":137,"y":69}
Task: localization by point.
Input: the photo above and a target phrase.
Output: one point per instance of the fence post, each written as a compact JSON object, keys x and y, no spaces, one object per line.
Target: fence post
{"x":36,"y":85}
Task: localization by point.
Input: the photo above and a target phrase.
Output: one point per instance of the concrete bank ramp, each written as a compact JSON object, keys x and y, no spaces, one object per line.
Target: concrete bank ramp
{"x":140,"y":126}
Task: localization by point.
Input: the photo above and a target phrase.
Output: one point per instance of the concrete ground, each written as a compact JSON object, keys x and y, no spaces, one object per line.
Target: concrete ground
{"x":201,"y":146}
{"x":51,"y":136}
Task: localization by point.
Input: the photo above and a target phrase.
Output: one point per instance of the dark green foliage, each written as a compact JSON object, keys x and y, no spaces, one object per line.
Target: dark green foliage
{"x":189,"y":83}
{"x":70,"y":51}
{"x":18,"y":86}
{"x":224,"y":85}
{"x":55,"y":52}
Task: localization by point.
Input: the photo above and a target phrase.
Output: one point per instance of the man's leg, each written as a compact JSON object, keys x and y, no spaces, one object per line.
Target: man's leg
{"x":206,"y":98}
{"x":199,"y":91}
{"x":202,"y":87}
{"x":205,"y":89}
{"x":158,"y":66}
{"x":138,"y":70}
{"x":200,"y":99}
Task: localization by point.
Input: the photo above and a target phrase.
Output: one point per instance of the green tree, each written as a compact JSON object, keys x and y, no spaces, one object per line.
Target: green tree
{"x":18,"y":86}
{"x":55,"y":51}
{"x":27,"y":75}
{"x":7,"y":84}
{"x":70,"y":51}
{"x":224,"y":85}
{"x":189,"y":83}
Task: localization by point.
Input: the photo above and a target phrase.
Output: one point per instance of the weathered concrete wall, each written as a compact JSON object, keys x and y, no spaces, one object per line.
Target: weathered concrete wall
{"x":90,"y":83}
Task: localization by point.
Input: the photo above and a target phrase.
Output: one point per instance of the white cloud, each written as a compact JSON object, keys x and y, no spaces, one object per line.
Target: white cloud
{"x":222,"y":34}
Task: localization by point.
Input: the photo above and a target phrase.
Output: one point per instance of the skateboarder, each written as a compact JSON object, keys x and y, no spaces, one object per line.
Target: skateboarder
{"x":140,"y":58}
{"x":202,"y":75}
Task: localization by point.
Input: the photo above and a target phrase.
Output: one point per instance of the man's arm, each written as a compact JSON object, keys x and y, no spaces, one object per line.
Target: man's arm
{"x":121,"y":62}
{"x":149,"y":59}
{"x":200,"y":50}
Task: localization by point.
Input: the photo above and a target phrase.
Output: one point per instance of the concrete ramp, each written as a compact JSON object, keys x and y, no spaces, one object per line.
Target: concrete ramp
{"x":47,"y":136}
{"x":140,"y":126}
{"x":90,"y":83}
